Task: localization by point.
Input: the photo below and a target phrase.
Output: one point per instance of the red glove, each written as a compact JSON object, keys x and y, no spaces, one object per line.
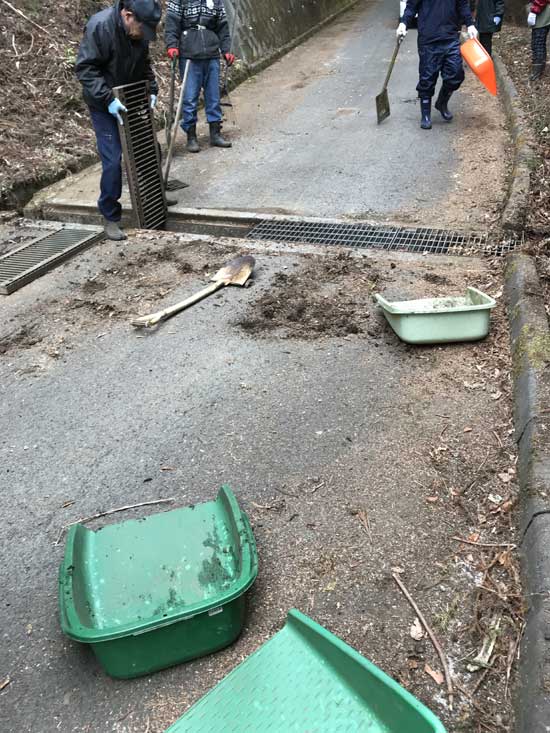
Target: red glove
{"x":230,"y":58}
{"x":173,"y":53}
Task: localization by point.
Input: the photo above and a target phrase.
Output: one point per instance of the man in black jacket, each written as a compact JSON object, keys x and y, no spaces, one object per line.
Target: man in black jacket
{"x":115,"y":51}
{"x":489,"y":15}
{"x":439,"y":23}
{"x":196,"y":31}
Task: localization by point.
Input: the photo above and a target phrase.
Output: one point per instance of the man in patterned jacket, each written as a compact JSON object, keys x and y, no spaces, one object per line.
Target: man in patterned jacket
{"x":197,"y":30}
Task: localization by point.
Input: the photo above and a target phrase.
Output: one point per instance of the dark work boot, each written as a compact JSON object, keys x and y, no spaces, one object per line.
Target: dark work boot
{"x":216,"y":138}
{"x":426,"y":112}
{"x":537,"y":70}
{"x":442,"y":102}
{"x":192,"y":144}
{"x":113,"y":231}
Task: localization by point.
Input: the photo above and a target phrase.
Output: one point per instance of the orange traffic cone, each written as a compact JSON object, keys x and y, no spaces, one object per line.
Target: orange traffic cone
{"x":480,"y":63}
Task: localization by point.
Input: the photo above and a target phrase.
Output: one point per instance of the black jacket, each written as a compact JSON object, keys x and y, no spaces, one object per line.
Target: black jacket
{"x":438,"y":20}
{"x":107,"y":58}
{"x":181,"y":30}
{"x":485,"y":11}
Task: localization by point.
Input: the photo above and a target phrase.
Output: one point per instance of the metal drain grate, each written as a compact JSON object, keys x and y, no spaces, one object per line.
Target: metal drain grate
{"x":26,"y":263}
{"x":434,"y":241}
{"x":142,"y":156}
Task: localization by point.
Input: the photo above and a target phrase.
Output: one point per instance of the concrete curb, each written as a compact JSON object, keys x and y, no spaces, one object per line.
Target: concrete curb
{"x":525,"y":158}
{"x":530,"y":341}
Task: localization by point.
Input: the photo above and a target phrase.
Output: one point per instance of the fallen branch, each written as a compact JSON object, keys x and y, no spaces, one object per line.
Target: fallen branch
{"x":10,"y":6}
{"x":484,"y":544}
{"x":110,"y":511}
{"x":436,"y":644}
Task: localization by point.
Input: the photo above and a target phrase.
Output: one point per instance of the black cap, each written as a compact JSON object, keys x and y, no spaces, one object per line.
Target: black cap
{"x":148,"y":13}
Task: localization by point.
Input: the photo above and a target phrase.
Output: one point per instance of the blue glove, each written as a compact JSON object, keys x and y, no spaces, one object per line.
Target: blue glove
{"x":153,"y":101}
{"x":497,"y":20}
{"x":115,"y":108}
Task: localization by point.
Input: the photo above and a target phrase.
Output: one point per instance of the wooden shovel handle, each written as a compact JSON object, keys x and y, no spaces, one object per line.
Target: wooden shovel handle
{"x":163,"y":315}
{"x":392,"y":62}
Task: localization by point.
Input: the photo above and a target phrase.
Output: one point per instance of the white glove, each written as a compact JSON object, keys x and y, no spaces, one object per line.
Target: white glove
{"x":531,"y":19}
{"x":401,"y":31}
{"x":497,"y":20}
{"x":472,"y":31}
{"x":153,"y":101}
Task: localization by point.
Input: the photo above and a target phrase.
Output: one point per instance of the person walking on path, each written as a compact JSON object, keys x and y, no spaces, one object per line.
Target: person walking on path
{"x":539,"y":21}
{"x":439,"y":23}
{"x":488,"y":18}
{"x":196,"y":32}
{"x":115,"y":51}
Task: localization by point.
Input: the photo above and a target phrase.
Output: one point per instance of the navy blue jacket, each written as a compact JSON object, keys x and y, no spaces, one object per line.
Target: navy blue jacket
{"x":438,"y":20}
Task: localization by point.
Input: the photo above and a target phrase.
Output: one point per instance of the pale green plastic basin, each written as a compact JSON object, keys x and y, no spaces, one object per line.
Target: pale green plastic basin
{"x":440,"y":320}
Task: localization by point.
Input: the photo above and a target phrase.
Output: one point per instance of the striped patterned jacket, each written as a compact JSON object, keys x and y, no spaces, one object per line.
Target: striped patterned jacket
{"x":199,"y":28}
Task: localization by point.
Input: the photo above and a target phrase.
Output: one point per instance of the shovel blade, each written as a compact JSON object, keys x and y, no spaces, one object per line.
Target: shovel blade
{"x":236,"y":272}
{"x":382,"y":106}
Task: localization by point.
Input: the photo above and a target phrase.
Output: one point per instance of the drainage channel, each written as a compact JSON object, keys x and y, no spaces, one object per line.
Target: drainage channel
{"x":24,"y":264}
{"x":361,"y":235}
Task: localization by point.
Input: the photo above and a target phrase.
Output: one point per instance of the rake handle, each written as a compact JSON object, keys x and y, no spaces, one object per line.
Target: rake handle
{"x":171,"y":101}
{"x":163,"y":315}
{"x":176,"y":123}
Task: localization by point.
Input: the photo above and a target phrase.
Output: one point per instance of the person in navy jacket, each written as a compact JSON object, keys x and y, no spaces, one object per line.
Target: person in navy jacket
{"x":439,"y":24}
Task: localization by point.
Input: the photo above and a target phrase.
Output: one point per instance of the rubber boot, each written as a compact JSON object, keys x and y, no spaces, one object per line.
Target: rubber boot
{"x":537,"y":70}
{"x":113,"y":231}
{"x":192,"y":143}
{"x":216,"y":138}
{"x":426,"y":112}
{"x":442,"y":102}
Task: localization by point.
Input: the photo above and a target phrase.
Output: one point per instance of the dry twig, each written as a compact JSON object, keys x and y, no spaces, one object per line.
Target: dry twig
{"x":435,"y":642}
{"x":111,"y":511}
{"x":484,"y":544}
{"x":15,"y":10}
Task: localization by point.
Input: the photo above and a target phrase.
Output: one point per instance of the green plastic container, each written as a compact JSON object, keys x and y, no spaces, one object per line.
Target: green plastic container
{"x":306,"y":680}
{"x":153,"y":592}
{"x":440,"y":320}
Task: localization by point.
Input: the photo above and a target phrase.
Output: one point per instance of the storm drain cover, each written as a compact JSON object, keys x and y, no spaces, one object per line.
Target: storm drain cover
{"x":142,"y":156}
{"x":433,"y":241}
{"x":26,"y":263}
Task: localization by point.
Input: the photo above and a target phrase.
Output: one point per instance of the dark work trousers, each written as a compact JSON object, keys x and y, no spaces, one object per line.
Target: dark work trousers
{"x":203,"y":74}
{"x":439,"y":58}
{"x":486,"y":40}
{"x":538,"y":44}
{"x":110,"y":152}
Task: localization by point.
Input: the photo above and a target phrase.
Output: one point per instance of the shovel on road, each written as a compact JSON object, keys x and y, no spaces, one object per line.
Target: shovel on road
{"x":236,"y":272}
{"x":382,"y":101}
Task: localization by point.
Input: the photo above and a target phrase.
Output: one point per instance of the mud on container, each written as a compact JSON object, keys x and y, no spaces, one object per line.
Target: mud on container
{"x":149,"y":593}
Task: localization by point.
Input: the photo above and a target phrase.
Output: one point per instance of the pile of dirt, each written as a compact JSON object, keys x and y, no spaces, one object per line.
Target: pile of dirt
{"x":128,"y":284}
{"x":329,"y":296}
{"x":45,"y":130}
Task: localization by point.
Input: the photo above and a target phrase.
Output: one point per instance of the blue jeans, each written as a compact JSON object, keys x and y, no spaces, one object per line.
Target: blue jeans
{"x":110,"y":152}
{"x":203,"y":74}
{"x":439,"y":58}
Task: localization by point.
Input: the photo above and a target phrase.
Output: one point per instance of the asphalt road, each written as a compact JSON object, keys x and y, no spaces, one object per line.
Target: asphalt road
{"x":307,"y":432}
{"x":307,"y":142}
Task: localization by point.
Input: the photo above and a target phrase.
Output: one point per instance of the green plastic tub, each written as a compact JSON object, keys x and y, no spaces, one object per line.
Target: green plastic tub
{"x":149,"y":593}
{"x":440,"y":320}
{"x":306,"y":680}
